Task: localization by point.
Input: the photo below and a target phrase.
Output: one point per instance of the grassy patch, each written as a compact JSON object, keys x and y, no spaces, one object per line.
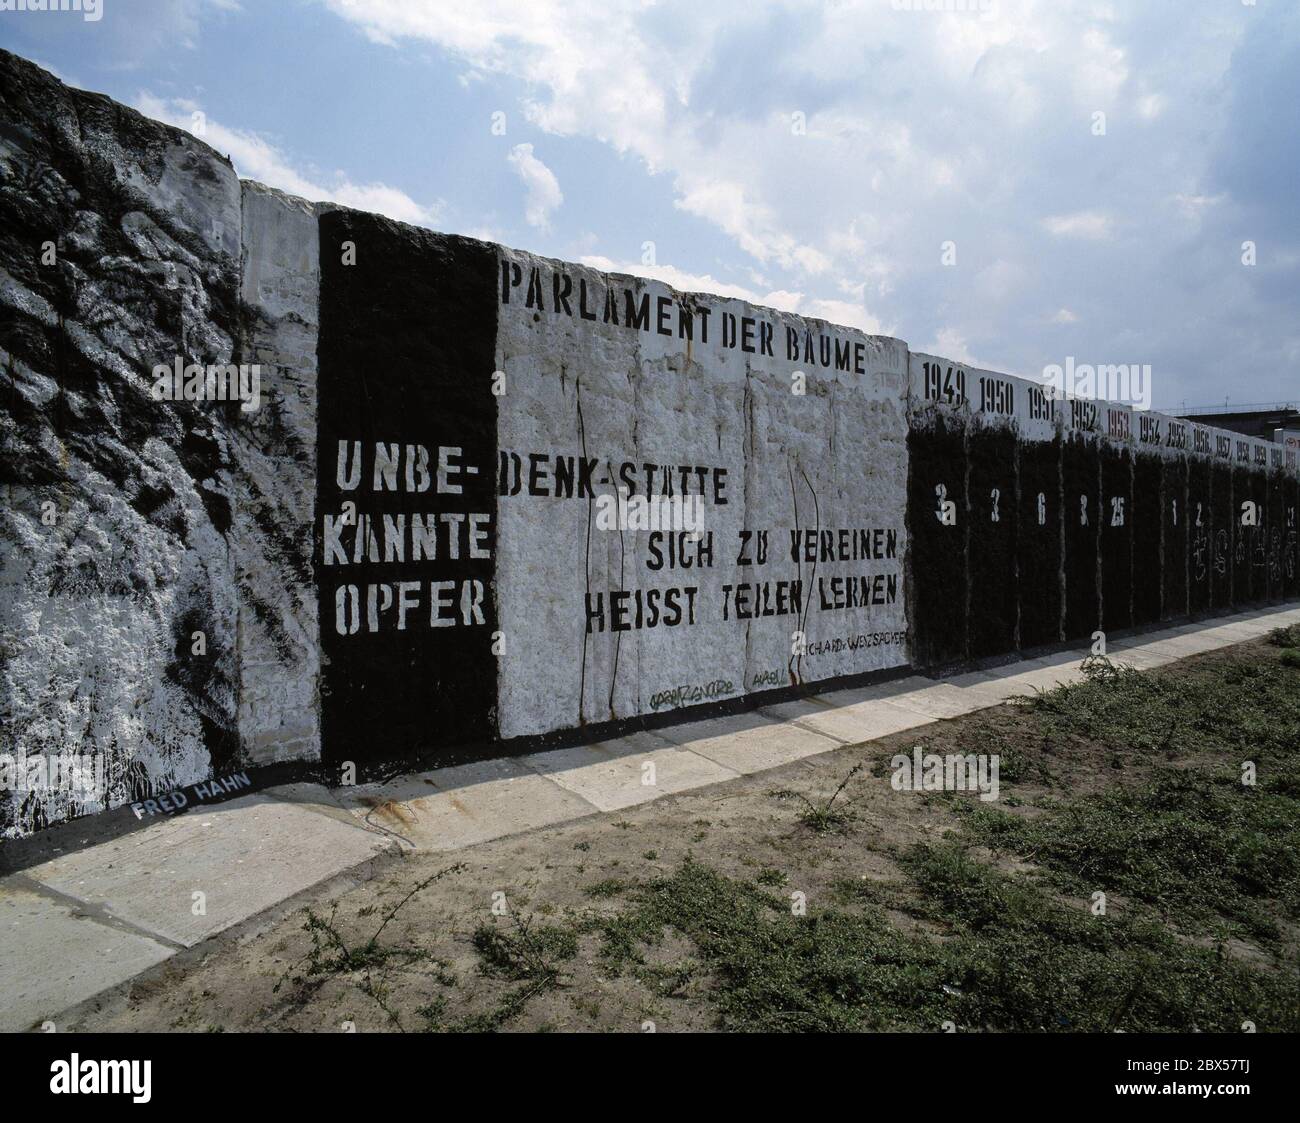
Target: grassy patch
{"x":1197,"y":848}
{"x":1020,"y":959}
{"x":609,"y":887}
{"x":1248,"y":707}
{"x":1285,"y":637}
{"x":1014,"y":958}
{"x":1207,"y":851}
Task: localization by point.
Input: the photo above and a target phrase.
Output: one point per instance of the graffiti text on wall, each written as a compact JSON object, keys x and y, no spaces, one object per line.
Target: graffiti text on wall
{"x":354,"y":536}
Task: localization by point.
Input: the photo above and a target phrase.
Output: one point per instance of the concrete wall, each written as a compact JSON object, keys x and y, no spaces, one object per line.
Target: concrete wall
{"x":792,"y":459}
{"x":117,"y":510}
{"x":279,"y":648}
{"x":404,"y":554}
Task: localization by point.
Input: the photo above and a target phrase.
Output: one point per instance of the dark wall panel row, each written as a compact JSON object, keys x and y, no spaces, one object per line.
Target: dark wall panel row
{"x":1051,"y":540}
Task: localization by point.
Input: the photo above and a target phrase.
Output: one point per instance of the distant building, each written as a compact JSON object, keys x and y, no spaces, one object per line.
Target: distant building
{"x":1264,"y":420}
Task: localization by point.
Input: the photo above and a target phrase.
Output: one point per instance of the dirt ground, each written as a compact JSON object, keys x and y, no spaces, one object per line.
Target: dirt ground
{"x":509,"y":936}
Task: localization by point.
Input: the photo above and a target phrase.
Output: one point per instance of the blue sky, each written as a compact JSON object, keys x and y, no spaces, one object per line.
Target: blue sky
{"x":816,"y":157}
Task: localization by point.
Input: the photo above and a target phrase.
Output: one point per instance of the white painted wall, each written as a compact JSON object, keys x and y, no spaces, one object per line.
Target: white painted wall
{"x":832,"y":457}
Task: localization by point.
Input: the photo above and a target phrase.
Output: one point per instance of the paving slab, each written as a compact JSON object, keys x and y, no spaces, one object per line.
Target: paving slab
{"x":453,"y":807}
{"x":941,"y":700}
{"x":1040,"y":674}
{"x":799,"y":711}
{"x":876,"y":691}
{"x":1266,"y":615}
{"x":749,"y":742}
{"x":1236,"y":630}
{"x":612,"y":774}
{"x":980,"y":686}
{"x":1193,"y":643}
{"x":1146,"y":638}
{"x":315,"y":797}
{"x":1143,"y":650}
{"x":937,"y":699}
{"x":1226,"y":625}
{"x":1261,"y":626}
{"x":1142,"y":657}
{"x":850,"y":725}
{"x":1205,"y":628}
{"x":54,"y":957}
{"x":243,"y":856}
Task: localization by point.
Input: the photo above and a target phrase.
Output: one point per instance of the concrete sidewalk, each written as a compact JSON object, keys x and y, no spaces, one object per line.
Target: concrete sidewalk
{"x":79,"y":923}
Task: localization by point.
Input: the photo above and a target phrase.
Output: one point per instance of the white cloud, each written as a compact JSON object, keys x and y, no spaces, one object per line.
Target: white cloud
{"x":843,"y":312}
{"x":1194,"y":206}
{"x":1083,"y":224}
{"x":256,"y":158}
{"x":543,"y":189}
{"x":1000,"y":280}
{"x":1064,"y":316}
{"x":141,"y":33}
{"x":753,"y":225}
{"x":599,"y":72}
{"x":951,"y":344}
{"x":1151,"y":106}
{"x":484,"y":233}
{"x":692,"y":282}
{"x":921,"y":127}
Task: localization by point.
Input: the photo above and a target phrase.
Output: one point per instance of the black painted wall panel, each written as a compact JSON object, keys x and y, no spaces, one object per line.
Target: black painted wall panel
{"x":1175,"y":529}
{"x":1291,"y":539}
{"x":992,"y":541}
{"x":1274,"y":528}
{"x":1222,"y":543}
{"x":1256,"y":537}
{"x":1243,"y":539}
{"x":937,"y":460}
{"x":1117,"y":537}
{"x":1134,"y":537}
{"x":1201,"y":537}
{"x":1147,"y":530}
{"x":406,"y":352}
{"x":1038,"y":543}
{"x":1081,"y":478}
